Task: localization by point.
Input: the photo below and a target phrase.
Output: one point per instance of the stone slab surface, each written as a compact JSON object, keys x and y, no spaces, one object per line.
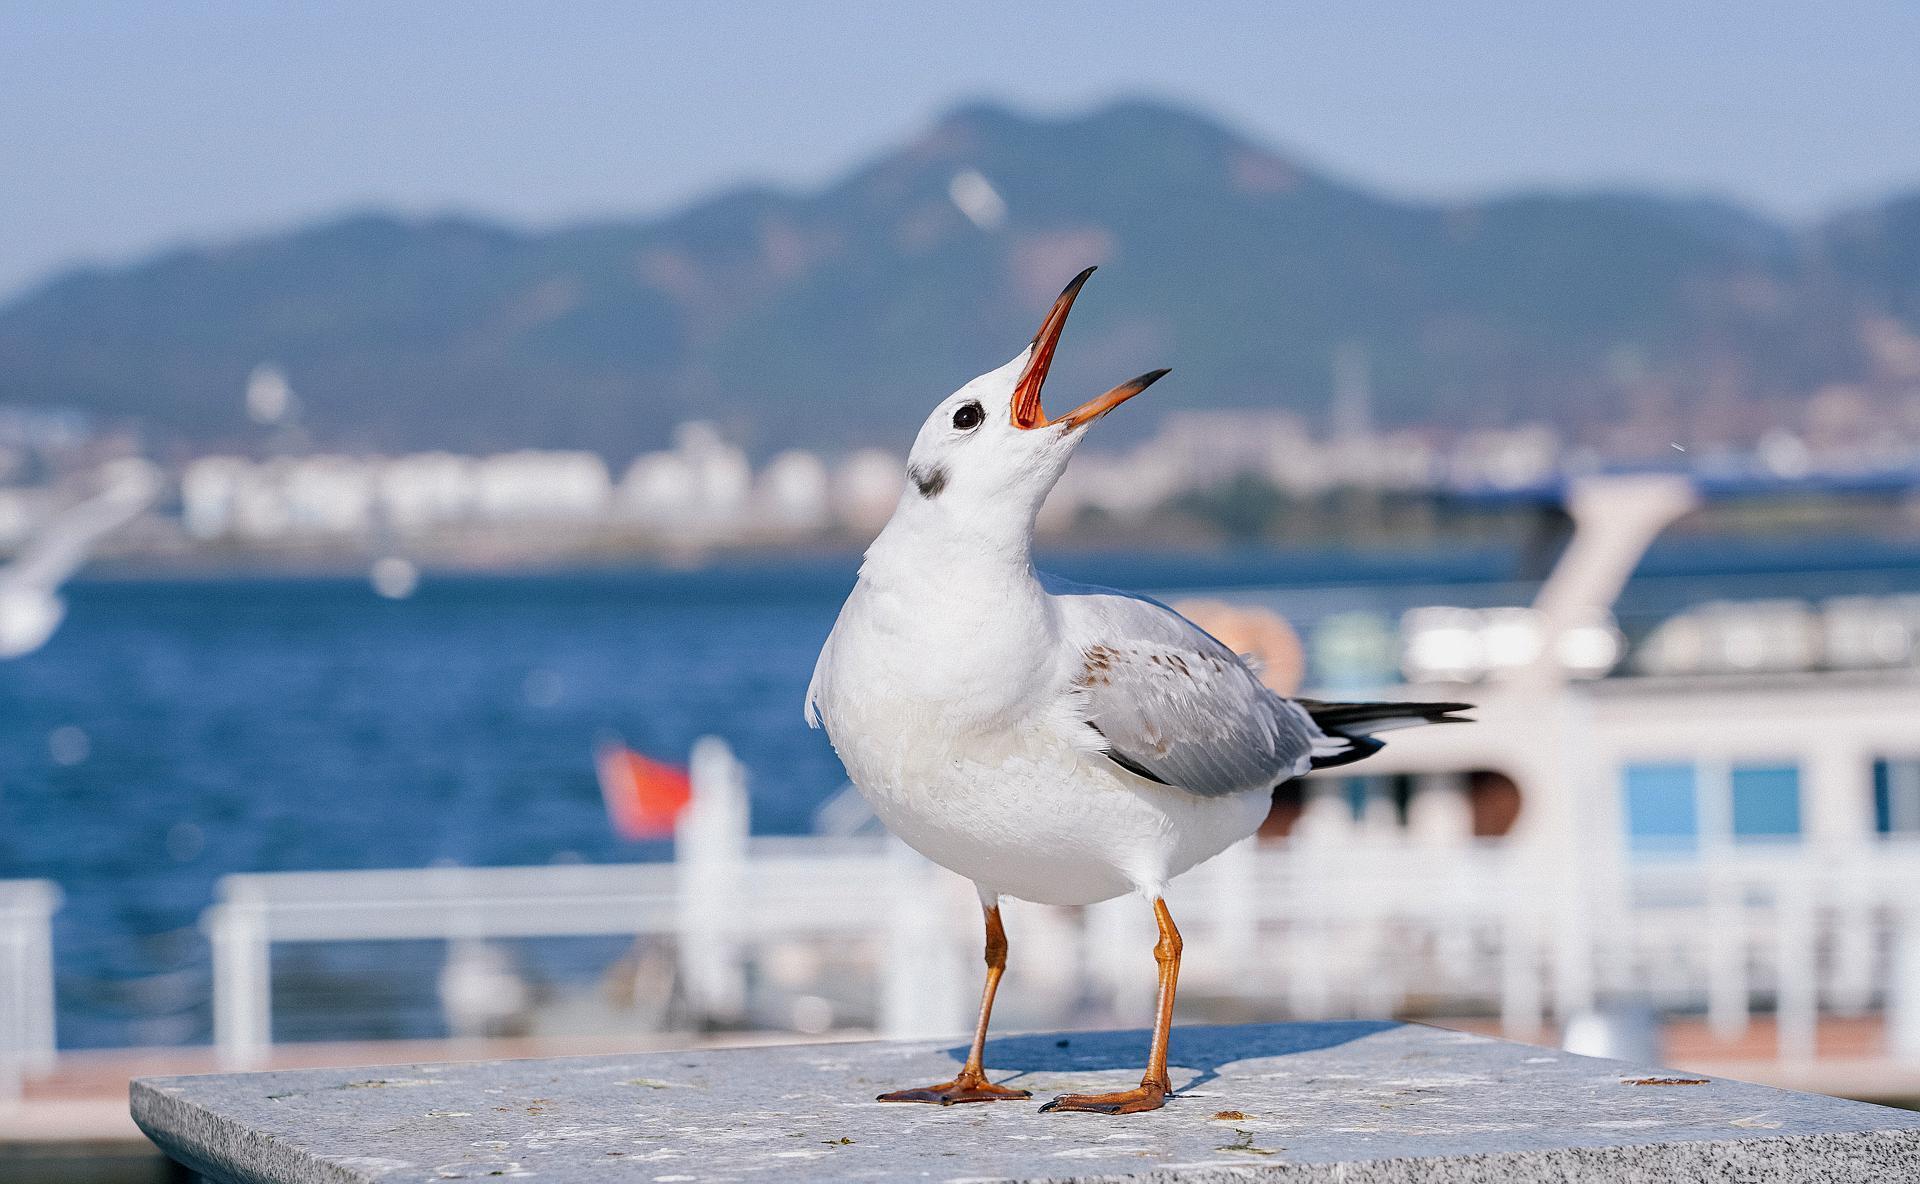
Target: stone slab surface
{"x":1354,"y":1102}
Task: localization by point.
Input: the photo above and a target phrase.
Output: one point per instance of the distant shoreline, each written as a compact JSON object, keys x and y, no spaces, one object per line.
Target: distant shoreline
{"x":1204,"y":562}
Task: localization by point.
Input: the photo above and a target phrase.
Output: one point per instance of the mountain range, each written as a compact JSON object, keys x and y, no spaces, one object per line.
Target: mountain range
{"x":840,"y":316}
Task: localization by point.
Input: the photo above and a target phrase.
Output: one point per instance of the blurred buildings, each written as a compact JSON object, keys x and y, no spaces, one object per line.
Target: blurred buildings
{"x":1198,"y":450}
{"x":705,"y":491}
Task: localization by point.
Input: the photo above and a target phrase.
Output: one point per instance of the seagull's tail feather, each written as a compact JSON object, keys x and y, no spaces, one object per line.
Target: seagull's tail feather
{"x":1350,"y":727}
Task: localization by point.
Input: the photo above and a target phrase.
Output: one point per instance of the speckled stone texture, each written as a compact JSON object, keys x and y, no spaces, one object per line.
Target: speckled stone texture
{"x":1357,"y":1103}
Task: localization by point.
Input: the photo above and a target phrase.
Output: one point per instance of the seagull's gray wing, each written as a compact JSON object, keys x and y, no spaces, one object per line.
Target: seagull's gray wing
{"x":1173,"y":704}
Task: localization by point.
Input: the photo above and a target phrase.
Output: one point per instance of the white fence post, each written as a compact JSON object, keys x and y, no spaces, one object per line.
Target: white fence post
{"x":26,"y":982}
{"x":1308,"y":934}
{"x":1797,"y":998}
{"x":921,"y":976}
{"x":710,"y":853}
{"x":41,"y":1046}
{"x":242,"y":977}
{"x":1232,"y":879}
{"x":1903,"y":994}
{"x":1522,"y":1002}
{"x":1574,"y":988}
{"x":13,"y":1003}
{"x":1726,"y":938}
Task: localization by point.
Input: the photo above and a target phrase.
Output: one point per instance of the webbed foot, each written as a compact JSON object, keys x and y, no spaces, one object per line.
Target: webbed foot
{"x":961,"y":1089}
{"x":1148,"y":1095}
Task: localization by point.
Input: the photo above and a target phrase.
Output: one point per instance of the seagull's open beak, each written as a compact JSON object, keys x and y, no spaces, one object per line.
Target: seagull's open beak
{"x":1027,"y":411}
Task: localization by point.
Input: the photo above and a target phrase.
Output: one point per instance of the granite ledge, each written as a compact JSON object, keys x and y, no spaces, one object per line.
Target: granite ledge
{"x":1355,"y":1102}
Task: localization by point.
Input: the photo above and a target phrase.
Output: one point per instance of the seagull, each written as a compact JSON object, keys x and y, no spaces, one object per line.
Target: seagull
{"x":31,"y":607}
{"x":1050,"y":741}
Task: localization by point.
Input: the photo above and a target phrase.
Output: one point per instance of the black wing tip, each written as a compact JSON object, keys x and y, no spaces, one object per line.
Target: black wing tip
{"x":1338,"y":716}
{"x":1359,"y":748}
{"x":1347,"y":721}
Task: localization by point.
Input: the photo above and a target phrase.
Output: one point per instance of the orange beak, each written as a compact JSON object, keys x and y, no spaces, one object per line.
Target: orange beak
{"x":1027,"y":411}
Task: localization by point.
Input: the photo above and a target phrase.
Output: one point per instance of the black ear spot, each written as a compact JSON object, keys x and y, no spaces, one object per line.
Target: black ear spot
{"x":928,"y":479}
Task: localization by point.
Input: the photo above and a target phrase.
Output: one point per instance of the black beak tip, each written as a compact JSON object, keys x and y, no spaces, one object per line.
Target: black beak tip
{"x":1063,"y":302}
{"x":1075,"y":284}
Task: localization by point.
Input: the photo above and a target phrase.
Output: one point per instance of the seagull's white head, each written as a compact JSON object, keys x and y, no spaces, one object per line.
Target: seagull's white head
{"x":988,"y":455}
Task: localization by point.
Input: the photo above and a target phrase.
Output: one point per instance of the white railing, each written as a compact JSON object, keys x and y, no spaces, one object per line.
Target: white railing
{"x":1351,"y":923}
{"x":26,"y":981}
{"x":1369,"y":926}
{"x":723,"y":896}
{"x":773,"y":894}
{"x":1363,"y":928}
{"x":1809,"y":930}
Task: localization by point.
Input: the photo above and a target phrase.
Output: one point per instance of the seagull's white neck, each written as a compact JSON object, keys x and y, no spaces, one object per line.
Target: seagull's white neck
{"x":965,"y":623}
{"x":949,"y":545}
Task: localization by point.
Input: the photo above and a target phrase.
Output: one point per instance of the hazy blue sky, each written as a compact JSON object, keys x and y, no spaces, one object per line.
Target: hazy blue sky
{"x":129,"y":126}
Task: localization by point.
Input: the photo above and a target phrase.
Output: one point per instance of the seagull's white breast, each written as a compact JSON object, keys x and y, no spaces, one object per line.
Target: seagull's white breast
{"x":961,"y":730}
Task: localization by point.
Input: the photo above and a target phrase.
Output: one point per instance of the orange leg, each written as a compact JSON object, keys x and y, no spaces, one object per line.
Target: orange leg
{"x":972,"y":1084}
{"x":1151,"y":1094}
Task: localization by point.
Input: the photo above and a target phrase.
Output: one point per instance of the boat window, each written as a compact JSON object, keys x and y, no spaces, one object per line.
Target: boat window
{"x":1896,"y":797}
{"x":1494,"y":799}
{"x":1662,"y":813}
{"x":1766,"y":802}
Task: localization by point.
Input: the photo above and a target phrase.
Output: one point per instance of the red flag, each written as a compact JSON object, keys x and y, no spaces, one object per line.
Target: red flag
{"x":643,"y":796}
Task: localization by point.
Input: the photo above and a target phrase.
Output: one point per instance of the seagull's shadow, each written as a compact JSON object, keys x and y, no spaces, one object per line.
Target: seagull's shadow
{"x":1204,"y":1049}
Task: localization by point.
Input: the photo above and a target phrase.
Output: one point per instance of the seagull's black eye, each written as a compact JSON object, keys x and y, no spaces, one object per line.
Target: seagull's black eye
{"x":968,"y":416}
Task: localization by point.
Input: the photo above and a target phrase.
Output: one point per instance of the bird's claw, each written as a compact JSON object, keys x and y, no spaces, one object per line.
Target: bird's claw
{"x":957,"y":1091}
{"x":1148,"y":1095}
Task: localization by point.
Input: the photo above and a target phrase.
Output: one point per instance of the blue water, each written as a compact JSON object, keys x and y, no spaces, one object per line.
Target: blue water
{"x":173,"y":732}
